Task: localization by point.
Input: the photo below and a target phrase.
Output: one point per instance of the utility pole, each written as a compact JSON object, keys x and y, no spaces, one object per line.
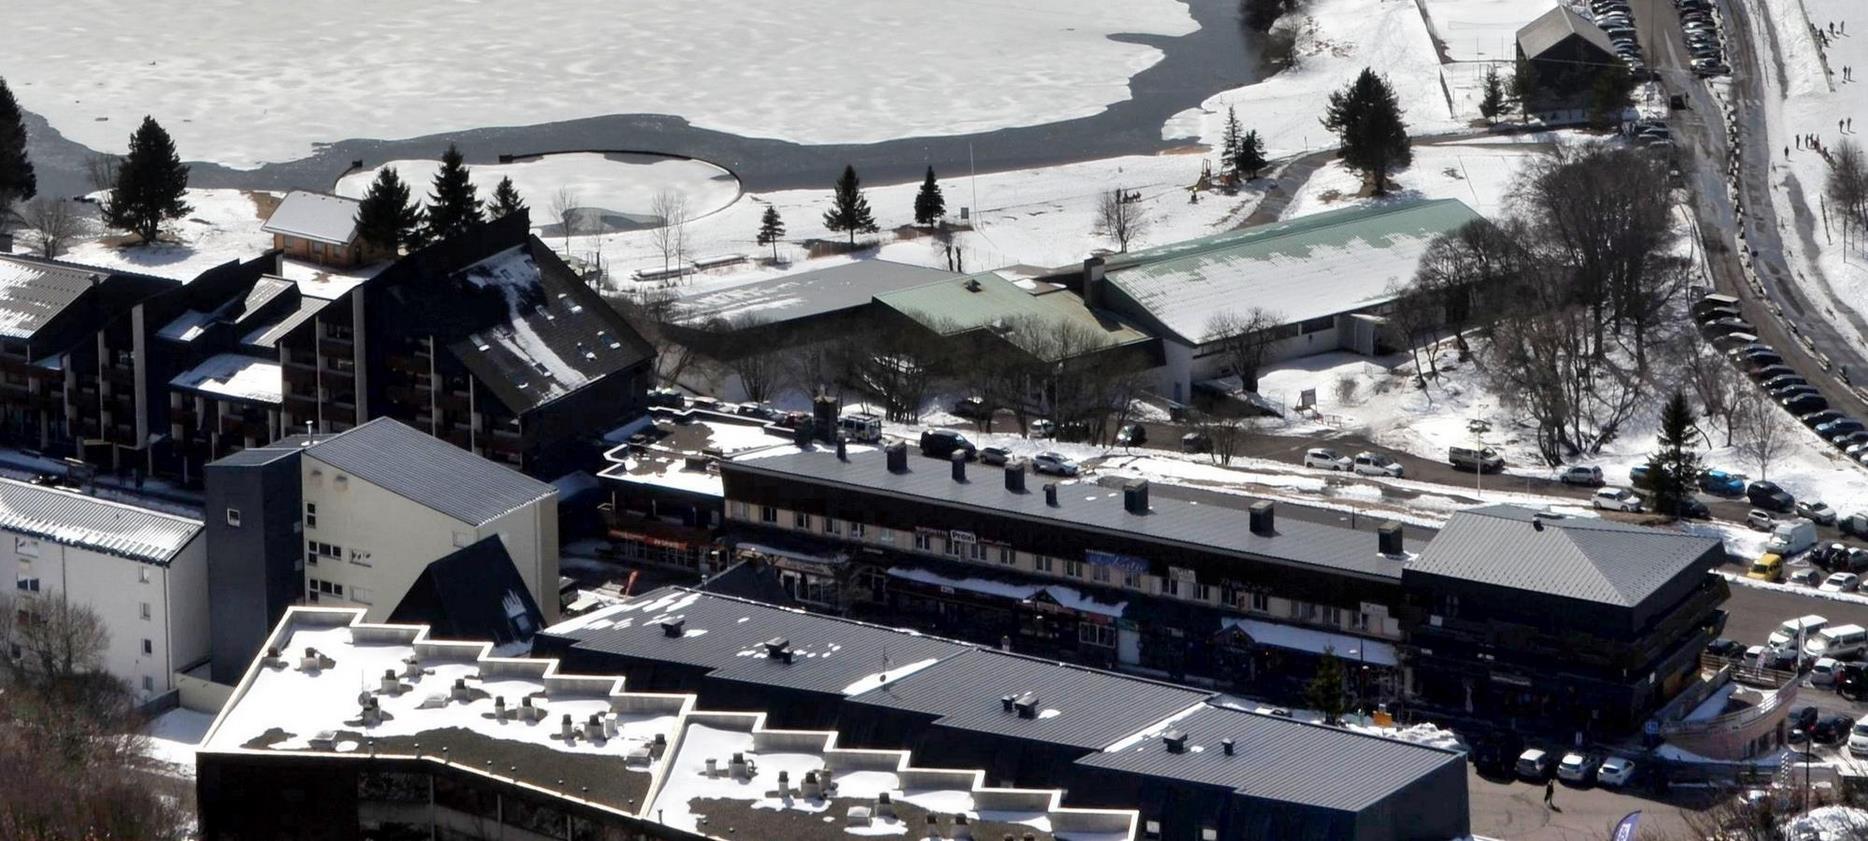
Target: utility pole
{"x":1478,"y":427}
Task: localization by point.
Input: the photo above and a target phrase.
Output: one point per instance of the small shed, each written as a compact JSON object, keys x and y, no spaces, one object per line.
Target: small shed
{"x":321,"y":228}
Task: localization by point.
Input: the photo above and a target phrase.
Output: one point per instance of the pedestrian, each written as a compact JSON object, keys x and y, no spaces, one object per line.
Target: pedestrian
{"x":1799,"y":144}
{"x":1550,"y":794}
{"x":1786,"y":153}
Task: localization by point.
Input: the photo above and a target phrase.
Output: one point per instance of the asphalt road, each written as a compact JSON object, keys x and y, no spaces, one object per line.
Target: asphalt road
{"x":1514,"y":809}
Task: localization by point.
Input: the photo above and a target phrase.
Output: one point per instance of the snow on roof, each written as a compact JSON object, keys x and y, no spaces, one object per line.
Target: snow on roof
{"x":76,"y":519}
{"x":324,"y":281}
{"x":1299,"y":269}
{"x":807,"y":293}
{"x":33,"y":293}
{"x":320,"y":217}
{"x":236,"y":376}
{"x":516,"y":276}
{"x":1351,"y":649}
{"x":1552,"y":27}
{"x":186,"y":327}
{"x":1067,"y":596}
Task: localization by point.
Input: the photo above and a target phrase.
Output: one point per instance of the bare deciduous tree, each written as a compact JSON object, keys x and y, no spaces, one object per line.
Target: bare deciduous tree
{"x":1716,"y":386}
{"x":671,"y":208}
{"x":1120,"y":216}
{"x":53,"y":223}
{"x":1245,"y":340}
{"x":1847,"y":184}
{"x":893,"y":366}
{"x":100,"y":171}
{"x":1763,"y":437}
{"x":1225,"y":433}
{"x":745,"y":350}
{"x":1413,"y":322}
{"x":564,"y":208}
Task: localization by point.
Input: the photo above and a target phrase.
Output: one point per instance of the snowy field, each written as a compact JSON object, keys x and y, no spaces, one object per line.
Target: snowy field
{"x":244,"y":83}
{"x":1337,"y":39}
{"x":224,"y":225}
{"x":173,"y":736}
{"x":1479,"y":175}
{"x":616,"y":184}
{"x":1482,"y":30}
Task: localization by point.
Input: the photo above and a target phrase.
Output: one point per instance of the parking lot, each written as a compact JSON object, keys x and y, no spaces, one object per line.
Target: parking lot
{"x":1514,"y":809}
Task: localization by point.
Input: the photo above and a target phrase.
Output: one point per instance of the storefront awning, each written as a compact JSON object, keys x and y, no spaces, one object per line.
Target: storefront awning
{"x":1348,"y":648}
{"x":1068,"y":597}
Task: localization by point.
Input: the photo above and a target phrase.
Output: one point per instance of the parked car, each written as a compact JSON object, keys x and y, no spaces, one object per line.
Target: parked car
{"x":1818,"y":418}
{"x":1782,"y":380}
{"x":1807,"y":577}
{"x":971,"y":408}
{"x":861,"y":428}
{"x":943,"y":443}
{"x":1723,"y":647}
{"x":1757,"y":520}
{"x":1497,"y":754}
{"x":1823,"y":671}
{"x":1852,"y":680}
{"x":994,"y":455}
{"x":1858,"y":738}
{"x":1722,"y":483}
{"x":1327,"y":459}
{"x":1581,"y":474}
{"x":1831,"y":729}
{"x":1839,"y":425}
{"x":1467,"y":458}
{"x":1855,"y":524}
{"x":1615,"y":772}
{"x":1768,"y":567}
{"x":1791,"y":537}
{"x":1769,"y":496}
{"x":1637,"y":476}
{"x":1692,"y":508}
{"x":1804,"y":403}
{"x":1842,"y":642}
{"x":1534,"y":764}
{"x":1042,"y":428}
{"x":1055,"y":464}
{"x":1576,"y":767}
{"x":1131,"y":435}
{"x":1616,"y":499}
{"x":1841,"y":582}
{"x":761,"y":411}
{"x":1816,"y":512}
{"x":1376,"y":464}
{"x":1791,"y":630}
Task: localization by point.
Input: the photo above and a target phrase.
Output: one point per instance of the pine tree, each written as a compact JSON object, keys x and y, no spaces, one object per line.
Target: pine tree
{"x":1367,"y":120}
{"x":387,"y":218}
{"x":1326,"y":692}
{"x":452,"y":207}
{"x":1673,"y":470}
{"x":506,"y":200}
{"x":17,"y":181}
{"x":1230,"y":144}
{"x":850,"y":210}
{"x":1524,"y":87}
{"x":1609,"y":95}
{"x":771,"y":230}
{"x":1250,"y":159}
{"x":1492,"y":103}
{"x":150,"y":184}
{"x":930,"y":206}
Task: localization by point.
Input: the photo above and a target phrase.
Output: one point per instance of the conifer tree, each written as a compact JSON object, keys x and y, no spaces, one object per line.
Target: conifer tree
{"x":1367,"y":120}
{"x":1673,"y":470}
{"x":771,"y":230}
{"x":1492,"y":102}
{"x":150,"y":183}
{"x":506,"y":200}
{"x":849,"y":210}
{"x":387,"y":218}
{"x":1326,"y":692}
{"x":17,"y":181}
{"x":1230,"y":144}
{"x":930,"y":205}
{"x":453,"y":207}
{"x":1250,"y":159}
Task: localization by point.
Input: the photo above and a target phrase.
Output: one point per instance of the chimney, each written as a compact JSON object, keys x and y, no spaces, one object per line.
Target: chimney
{"x":1226,"y":746}
{"x":959,"y":465}
{"x":778,"y":648}
{"x":824,"y":415}
{"x":885,"y":805}
{"x":1389,"y":538}
{"x":1050,"y":494}
{"x":898,"y":457}
{"x":673,"y":626}
{"x":962,"y":831}
{"x":1135,"y":497}
{"x":1007,"y":701}
{"x":1093,"y":283}
{"x":1015,"y":476}
{"x":1262,"y":523}
{"x":567,"y":730}
{"x":1026,"y":705}
{"x":843,"y":449}
{"x":1537,"y":522}
{"x":801,"y":437}
{"x":1175,"y":740}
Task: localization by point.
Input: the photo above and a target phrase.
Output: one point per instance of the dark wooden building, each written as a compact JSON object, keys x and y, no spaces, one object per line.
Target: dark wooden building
{"x":1565,"y":52}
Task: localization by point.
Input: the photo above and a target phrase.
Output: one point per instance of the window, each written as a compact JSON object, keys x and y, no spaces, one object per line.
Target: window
{"x":800,"y":520}
{"x":768,"y":514}
{"x":233,"y":517}
{"x":28,"y":582}
{"x":856,"y":531}
{"x":26,"y":547}
{"x":1261,"y":602}
{"x":142,"y":574}
{"x":1332,"y":616}
{"x":1074,"y":569}
{"x":739,"y":510}
{"x":311,"y":515}
{"x":1041,"y":562}
{"x":1152,"y":829}
{"x":1131,"y":581}
{"x":1007,"y":556}
{"x":1362,"y":621}
{"x":1099,"y":572}
{"x":144,"y":610}
{"x":362,"y":594}
{"x":326,"y":587}
{"x":360,"y":557}
{"x":1103,"y":635}
{"x":311,"y":552}
{"x":1173,"y":586}
{"x":923,"y":542}
{"x":1203,"y":592}
{"x":149,"y":646}
{"x":149,"y":684}
{"x":830,"y":525}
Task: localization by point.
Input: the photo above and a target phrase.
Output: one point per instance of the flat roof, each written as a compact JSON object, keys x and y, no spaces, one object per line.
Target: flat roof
{"x":1047,"y":322}
{"x":1276,"y":758}
{"x":1171,"y":522}
{"x":805,"y":294}
{"x":1298,"y":269}
{"x":76,"y":519}
{"x":321,"y":217}
{"x":235,"y":376}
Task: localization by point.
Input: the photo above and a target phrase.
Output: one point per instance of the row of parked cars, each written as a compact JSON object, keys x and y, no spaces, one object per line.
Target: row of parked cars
{"x":1616,"y":19}
{"x":1720,"y":320}
{"x":1700,"y":23}
{"x":1364,"y":463}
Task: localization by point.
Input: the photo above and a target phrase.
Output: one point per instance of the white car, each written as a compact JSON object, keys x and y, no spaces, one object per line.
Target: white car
{"x":1581,"y":475}
{"x":1376,"y":464}
{"x":1534,"y":764}
{"x":1054,"y":463}
{"x":1042,"y":428}
{"x":1615,"y":772}
{"x":1841,"y":582}
{"x":1574,"y":767}
{"x":1616,"y":499}
{"x":1823,"y":671}
{"x":1858,"y":737}
{"x":1326,"y":458}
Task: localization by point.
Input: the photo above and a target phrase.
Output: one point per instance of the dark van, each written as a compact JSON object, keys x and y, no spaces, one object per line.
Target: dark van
{"x":943,"y":443}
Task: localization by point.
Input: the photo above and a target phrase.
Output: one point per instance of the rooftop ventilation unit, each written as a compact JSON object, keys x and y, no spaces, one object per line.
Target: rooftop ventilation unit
{"x":1026,"y":705}
{"x":673,"y":626}
{"x":1175,"y":740}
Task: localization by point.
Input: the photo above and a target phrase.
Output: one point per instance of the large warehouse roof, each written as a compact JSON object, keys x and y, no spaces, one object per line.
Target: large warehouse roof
{"x":1300,"y":269}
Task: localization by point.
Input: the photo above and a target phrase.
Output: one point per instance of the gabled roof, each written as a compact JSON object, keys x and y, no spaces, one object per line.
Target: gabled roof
{"x":1298,"y":269}
{"x":33,"y":292}
{"x":75,"y":519}
{"x":805,"y":294}
{"x":1277,"y":759}
{"x":428,"y":471}
{"x":1550,"y":28}
{"x":320,"y":217}
{"x":474,"y":592}
{"x":1581,"y":558}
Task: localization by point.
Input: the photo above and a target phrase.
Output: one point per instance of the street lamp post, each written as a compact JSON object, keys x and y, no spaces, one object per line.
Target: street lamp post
{"x":1478,"y":427}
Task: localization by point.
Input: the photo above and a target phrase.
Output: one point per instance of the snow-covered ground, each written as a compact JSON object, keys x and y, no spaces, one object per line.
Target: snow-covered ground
{"x":223,"y":225}
{"x":617,"y":184}
{"x":1482,"y":30}
{"x":1337,"y":38}
{"x":282,"y":77}
{"x":173,"y":736}
{"x":1478,"y":174}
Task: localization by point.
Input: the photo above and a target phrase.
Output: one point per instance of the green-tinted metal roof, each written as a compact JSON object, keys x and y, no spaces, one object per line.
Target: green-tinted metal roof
{"x":988,"y":301}
{"x":1301,"y":269}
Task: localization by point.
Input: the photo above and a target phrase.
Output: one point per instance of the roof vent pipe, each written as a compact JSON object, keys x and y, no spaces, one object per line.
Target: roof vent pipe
{"x":1175,"y":740}
{"x":1050,"y":494}
{"x":898,"y":457}
{"x":1015,"y":476}
{"x":1226,"y":745}
{"x":1135,"y":497}
{"x":843,"y":450}
{"x":1388,"y":539}
{"x":959,"y":465}
{"x":1262,"y":521}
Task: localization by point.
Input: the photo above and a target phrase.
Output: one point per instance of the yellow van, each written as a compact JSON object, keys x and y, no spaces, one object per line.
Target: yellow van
{"x":1768,"y":567}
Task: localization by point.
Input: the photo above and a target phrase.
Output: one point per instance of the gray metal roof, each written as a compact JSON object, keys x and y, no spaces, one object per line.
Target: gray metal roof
{"x":255,"y":455}
{"x":315,"y":216}
{"x":427,"y":470}
{"x":269,"y":333}
{"x":1171,"y":522}
{"x":1079,"y":707}
{"x":727,"y":637}
{"x":807,"y":294}
{"x":76,"y":519}
{"x":1278,"y":759}
{"x":33,"y":292}
{"x":1573,"y":557}
{"x":1550,"y":28}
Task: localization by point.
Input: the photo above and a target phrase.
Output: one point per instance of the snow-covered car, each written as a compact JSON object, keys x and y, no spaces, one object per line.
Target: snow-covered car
{"x":1575,"y":767}
{"x":1580,"y":474}
{"x":1616,"y":499}
{"x":1858,"y":737}
{"x":994,"y":455}
{"x":1615,"y":772}
{"x":1326,"y":458}
{"x":1816,"y":512}
{"x":1376,"y":464}
{"x":1841,"y":582}
{"x":1055,"y":464}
